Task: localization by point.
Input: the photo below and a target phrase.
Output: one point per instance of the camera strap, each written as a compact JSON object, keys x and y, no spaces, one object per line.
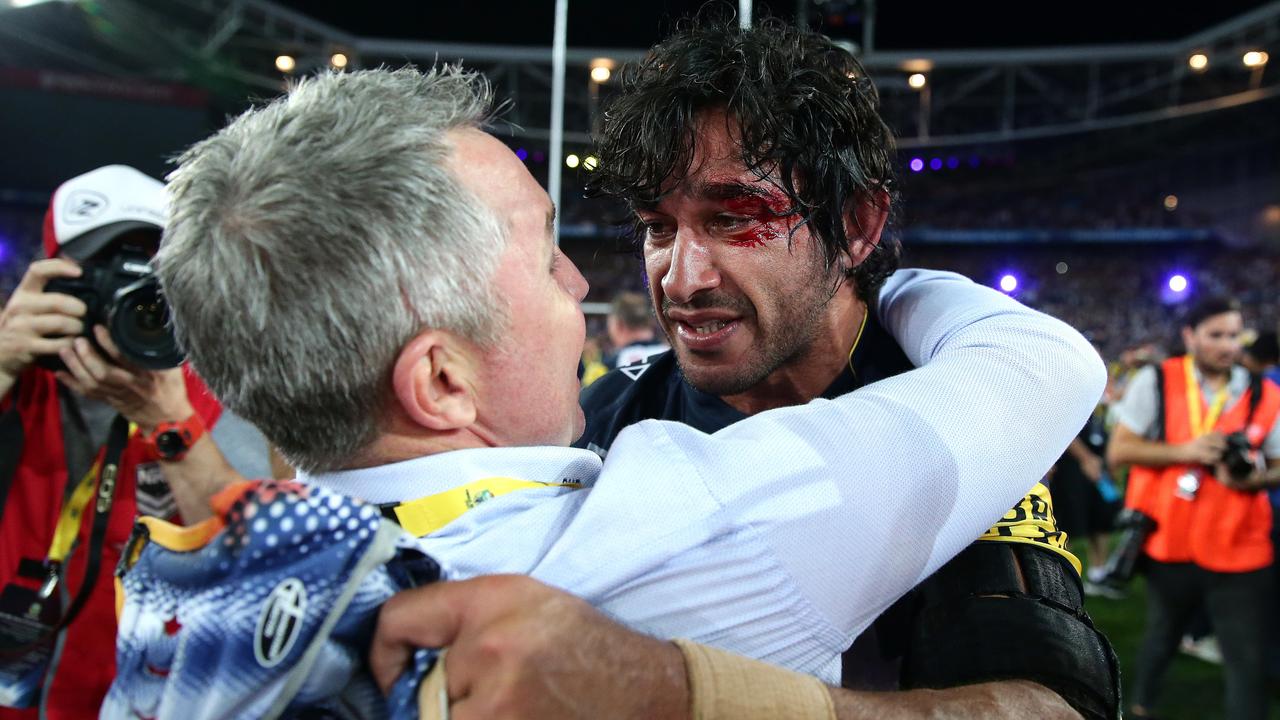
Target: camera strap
{"x":102,"y":495}
{"x":31,"y":620}
{"x":1255,"y":398}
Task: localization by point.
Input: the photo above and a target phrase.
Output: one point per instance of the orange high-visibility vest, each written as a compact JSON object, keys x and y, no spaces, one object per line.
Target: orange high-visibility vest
{"x":1221,"y":529}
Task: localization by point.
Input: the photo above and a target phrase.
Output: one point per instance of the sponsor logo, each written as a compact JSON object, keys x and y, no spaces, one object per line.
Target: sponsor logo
{"x":280,"y":623}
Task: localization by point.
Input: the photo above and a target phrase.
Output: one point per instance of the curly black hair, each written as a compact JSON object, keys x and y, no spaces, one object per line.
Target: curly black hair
{"x":806,"y":111}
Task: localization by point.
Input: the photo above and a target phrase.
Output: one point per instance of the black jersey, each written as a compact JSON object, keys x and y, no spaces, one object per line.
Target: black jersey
{"x":655,"y":389}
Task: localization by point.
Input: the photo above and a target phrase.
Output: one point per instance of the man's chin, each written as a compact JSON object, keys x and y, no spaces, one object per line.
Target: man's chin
{"x":721,"y":378}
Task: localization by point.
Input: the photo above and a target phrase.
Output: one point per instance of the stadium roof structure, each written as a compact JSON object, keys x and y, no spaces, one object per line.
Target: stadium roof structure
{"x":969,"y":96}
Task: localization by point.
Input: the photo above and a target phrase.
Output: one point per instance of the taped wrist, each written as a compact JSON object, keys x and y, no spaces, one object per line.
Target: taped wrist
{"x":725,"y":686}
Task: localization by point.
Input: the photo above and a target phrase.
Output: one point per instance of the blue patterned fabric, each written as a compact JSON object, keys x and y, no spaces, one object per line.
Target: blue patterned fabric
{"x":269,"y":617}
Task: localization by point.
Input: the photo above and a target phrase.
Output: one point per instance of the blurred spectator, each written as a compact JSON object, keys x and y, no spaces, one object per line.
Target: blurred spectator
{"x":1211,"y":545}
{"x":631,"y":331}
{"x":1262,"y":356}
{"x":1085,"y":502}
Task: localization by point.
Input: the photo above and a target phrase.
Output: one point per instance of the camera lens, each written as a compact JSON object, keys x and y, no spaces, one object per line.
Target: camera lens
{"x":140,"y":326}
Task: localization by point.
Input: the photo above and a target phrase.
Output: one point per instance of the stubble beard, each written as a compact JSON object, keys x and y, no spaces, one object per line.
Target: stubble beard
{"x":788,"y":341}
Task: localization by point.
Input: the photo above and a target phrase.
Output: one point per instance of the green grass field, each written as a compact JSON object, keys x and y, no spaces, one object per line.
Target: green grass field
{"x":1193,"y":689}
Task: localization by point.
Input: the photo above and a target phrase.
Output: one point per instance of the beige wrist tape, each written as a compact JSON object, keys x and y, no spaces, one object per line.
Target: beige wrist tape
{"x":725,"y":686}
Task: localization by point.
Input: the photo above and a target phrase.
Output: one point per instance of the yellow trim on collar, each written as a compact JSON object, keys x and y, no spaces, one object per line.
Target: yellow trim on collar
{"x":428,"y":514}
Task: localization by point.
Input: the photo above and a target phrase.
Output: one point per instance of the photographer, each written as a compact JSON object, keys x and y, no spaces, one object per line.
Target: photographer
{"x":1200,"y":433}
{"x":82,"y":419}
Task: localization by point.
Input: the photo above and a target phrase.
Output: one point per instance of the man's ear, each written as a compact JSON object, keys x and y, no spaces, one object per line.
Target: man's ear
{"x":863,"y":224}
{"x":434,"y":380}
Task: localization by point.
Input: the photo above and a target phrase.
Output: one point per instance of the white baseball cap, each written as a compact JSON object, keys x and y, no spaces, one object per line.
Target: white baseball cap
{"x":91,"y":210}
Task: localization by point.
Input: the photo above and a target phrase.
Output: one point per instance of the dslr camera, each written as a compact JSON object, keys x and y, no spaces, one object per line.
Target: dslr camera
{"x":122,"y":293}
{"x":1238,"y":457}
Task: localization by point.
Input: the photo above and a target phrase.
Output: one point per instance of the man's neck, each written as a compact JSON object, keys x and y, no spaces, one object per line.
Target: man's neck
{"x":393,"y":447}
{"x":1213,"y":377}
{"x":806,"y":376}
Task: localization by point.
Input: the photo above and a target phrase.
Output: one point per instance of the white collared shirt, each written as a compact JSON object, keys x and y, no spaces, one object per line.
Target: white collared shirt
{"x":783,"y":536}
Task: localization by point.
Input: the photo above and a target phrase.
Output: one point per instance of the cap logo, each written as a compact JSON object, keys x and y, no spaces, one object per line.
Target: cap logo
{"x":83,"y":206}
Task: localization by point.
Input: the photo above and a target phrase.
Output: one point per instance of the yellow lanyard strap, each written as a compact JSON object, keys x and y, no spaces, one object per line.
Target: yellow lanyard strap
{"x":64,"y":533}
{"x":68,"y":527}
{"x":427,"y":515}
{"x":1195,"y":401}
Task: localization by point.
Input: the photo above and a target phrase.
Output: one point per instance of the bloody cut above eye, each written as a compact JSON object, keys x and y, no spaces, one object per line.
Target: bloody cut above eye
{"x":768,"y":213}
{"x":757,"y":236}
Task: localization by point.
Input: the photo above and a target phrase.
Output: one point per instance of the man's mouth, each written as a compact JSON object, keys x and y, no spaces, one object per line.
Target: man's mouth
{"x":708,"y":328}
{"x":705,"y":335}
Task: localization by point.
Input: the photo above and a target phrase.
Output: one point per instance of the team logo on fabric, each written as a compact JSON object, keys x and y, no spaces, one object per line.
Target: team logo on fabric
{"x":154,"y":496}
{"x":83,"y":206}
{"x":635,"y":371}
{"x":280,"y":622}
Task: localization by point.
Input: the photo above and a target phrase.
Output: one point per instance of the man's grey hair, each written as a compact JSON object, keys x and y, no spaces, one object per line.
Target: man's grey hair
{"x":311,"y":238}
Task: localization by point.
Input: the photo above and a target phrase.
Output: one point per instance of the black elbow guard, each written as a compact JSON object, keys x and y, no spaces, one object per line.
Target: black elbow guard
{"x":1011,"y":611}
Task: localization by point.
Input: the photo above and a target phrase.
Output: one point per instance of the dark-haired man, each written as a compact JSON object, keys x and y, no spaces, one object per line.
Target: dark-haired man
{"x":1211,"y":546}
{"x":762,"y":178}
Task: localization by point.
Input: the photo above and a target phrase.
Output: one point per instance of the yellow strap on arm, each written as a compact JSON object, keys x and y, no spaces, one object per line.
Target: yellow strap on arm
{"x":1031,"y":521}
{"x":427,"y":515}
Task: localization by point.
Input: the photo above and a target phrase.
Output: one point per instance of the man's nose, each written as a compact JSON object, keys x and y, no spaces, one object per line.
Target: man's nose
{"x":692,"y":269}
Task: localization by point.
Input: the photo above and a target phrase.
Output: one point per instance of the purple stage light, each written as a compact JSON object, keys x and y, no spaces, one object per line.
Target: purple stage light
{"x":953,"y":162}
{"x":974,"y":161}
{"x":522,"y":154}
{"x":539,"y":156}
{"x":917,"y":164}
{"x":935,"y":164}
{"x":1176,"y":289}
{"x":1008,"y":283}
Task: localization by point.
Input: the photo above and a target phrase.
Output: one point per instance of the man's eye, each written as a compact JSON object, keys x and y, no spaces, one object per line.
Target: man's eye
{"x":657,"y":229}
{"x":730,"y":222}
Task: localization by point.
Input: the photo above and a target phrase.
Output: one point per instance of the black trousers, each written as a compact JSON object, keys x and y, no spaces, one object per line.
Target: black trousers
{"x":1240,"y":607}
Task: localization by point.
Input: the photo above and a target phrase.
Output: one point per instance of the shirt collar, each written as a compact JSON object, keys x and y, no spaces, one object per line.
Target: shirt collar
{"x":430,"y":474}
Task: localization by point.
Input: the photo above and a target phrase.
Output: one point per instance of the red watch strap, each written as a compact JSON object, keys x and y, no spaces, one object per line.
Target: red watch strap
{"x":191,"y":430}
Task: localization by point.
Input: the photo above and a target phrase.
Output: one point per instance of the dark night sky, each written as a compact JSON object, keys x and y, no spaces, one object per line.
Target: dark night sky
{"x":900,"y":24}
